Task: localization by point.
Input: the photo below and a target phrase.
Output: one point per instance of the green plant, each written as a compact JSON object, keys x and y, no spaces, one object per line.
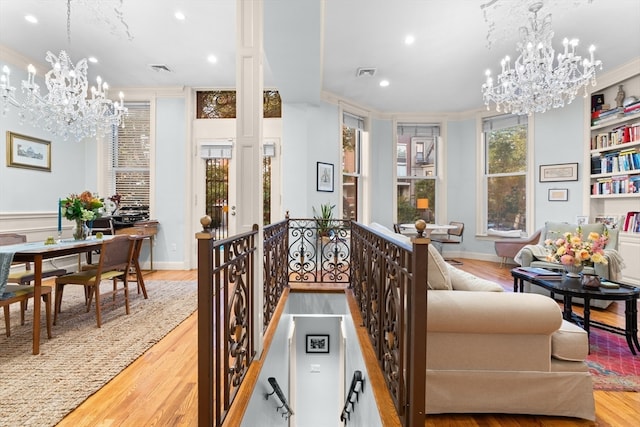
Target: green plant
{"x":324,"y":218}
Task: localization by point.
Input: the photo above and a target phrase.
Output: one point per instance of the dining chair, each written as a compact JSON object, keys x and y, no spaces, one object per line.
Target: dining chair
{"x":26,"y":276}
{"x":115,"y":261}
{"x":453,"y":236}
{"x":21,"y":294}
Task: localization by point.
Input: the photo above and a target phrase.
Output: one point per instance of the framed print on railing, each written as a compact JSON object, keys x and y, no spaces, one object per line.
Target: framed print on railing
{"x":28,"y":152}
{"x":325,"y":177}
{"x":559,"y":172}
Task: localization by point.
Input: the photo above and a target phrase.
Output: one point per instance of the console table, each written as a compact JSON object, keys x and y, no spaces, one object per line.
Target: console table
{"x":572,"y":288}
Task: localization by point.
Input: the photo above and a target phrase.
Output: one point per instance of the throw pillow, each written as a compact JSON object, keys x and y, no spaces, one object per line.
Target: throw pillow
{"x":438,"y":273}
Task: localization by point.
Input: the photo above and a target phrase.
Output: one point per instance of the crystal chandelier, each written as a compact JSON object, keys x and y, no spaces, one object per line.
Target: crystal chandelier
{"x":68,"y":109}
{"x":533,"y":84}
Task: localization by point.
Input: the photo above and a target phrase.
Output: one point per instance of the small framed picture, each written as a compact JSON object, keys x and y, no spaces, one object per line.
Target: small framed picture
{"x":28,"y":152}
{"x":558,"y":194}
{"x":325,"y":177}
{"x":582,"y":219}
{"x":559,"y":172}
{"x":317,"y":343}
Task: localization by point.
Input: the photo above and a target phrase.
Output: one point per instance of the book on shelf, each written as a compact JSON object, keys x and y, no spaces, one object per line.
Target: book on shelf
{"x":539,"y":273}
{"x":632,"y":222}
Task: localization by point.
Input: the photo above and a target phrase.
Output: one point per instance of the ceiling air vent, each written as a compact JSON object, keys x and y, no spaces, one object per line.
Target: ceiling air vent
{"x":366,"y":72}
{"x":160,"y":68}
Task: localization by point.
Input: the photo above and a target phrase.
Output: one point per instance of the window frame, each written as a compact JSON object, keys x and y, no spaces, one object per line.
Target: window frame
{"x":112,"y":148}
{"x":481,"y":182}
{"x":412,"y":154}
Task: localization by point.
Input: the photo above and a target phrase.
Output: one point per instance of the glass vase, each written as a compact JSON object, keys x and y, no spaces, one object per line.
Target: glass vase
{"x":573,"y":270}
{"x":81,"y":230}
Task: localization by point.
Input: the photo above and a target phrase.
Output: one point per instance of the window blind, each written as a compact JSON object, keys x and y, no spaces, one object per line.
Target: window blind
{"x":129,"y":156}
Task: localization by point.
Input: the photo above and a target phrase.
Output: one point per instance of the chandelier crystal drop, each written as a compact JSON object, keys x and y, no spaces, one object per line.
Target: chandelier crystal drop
{"x":69,"y":109}
{"x":532,"y":83}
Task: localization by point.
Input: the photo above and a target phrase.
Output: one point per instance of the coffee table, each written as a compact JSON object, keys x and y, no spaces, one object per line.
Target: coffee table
{"x":572,"y":288}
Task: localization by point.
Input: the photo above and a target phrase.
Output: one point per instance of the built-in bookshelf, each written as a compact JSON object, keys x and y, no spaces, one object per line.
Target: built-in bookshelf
{"x":612,"y":176}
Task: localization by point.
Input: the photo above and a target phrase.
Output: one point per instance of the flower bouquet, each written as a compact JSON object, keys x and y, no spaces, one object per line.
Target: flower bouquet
{"x":81,"y":208}
{"x":575,"y":252}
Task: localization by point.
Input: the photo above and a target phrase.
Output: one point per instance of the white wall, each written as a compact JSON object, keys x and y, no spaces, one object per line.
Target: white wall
{"x":382,"y":164}
{"x":172,"y":180}
{"x":310,"y":134}
{"x":317,"y":375}
{"x":559,"y":138}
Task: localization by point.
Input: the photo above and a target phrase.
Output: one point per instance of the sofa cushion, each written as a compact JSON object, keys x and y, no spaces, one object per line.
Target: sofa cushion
{"x":463,"y":281}
{"x":570,"y":342}
{"x":438,"y":271}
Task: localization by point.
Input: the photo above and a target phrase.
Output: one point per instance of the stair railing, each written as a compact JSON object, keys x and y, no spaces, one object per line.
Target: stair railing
{"x":357,"y":386}
{"x":286,"y":410}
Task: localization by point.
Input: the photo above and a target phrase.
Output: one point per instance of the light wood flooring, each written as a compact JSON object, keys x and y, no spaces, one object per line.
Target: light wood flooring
{"x":159,"y":388}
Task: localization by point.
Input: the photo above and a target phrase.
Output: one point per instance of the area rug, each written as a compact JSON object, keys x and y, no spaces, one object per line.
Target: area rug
{"x":611,"y":363}
{"x":39,"y":390}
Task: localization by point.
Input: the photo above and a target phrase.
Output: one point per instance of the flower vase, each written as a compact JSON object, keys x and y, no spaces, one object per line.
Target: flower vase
{"x":573,"y":270}
{"x":81,"y":230}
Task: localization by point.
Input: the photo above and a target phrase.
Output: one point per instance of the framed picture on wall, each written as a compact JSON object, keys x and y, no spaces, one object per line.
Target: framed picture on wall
{"x":324,"y":177}
{"x":558,"y":194}
{"x":317,"y":343}
{"x":28,"y":152}
{"x":559,"y":172}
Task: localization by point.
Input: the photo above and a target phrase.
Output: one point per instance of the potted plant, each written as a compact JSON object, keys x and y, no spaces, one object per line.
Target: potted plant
{"x":324,"y":219}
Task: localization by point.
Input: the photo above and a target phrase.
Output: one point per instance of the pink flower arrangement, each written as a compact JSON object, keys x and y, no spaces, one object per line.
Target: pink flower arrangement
{"x":572,"y":249}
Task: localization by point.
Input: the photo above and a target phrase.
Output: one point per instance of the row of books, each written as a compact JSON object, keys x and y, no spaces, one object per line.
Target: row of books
{"x":632,"y":222}
{"x":622,"y":161}
{"x":604,"y":116}
{"x":619,"y":135}
{"x":622,"y":184}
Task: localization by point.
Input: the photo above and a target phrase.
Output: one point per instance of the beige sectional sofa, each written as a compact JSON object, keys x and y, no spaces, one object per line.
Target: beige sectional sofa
{"x":490,"y":351}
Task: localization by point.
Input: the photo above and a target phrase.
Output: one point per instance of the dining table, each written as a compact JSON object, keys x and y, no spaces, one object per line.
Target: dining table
{"x":410,"y":229}
{"x":36,"y":253}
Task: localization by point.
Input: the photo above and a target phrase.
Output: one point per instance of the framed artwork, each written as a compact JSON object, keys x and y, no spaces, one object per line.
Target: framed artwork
{"x":582,"y":219}
{"x":609,"y":221}
{"x":558,"y":194}
{"x":559,"y":172}
{"x":317,"y":343}
{"x":324,"y":177}
{"x":28,"y":152}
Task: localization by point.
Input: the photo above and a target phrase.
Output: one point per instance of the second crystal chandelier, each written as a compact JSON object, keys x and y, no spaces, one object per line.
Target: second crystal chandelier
{"x":533,"y":84}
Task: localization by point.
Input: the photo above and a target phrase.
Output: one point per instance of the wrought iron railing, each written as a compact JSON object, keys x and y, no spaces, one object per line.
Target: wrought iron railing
{"x":319,"y":254}
{"x":389,"y":282}
{"x":275,"y":267}
{"x":225,"y":321}
{"x":389,"y":285}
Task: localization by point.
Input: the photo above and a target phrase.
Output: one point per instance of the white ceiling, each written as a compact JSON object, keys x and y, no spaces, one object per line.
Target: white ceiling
{"x":313,"y":45}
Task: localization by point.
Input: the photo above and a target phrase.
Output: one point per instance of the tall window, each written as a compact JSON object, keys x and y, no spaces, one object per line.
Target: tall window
{"x":129,"y":155}
{"x":505,"y":172}
{"x":416,"y":170}
{"x":352,"y":129}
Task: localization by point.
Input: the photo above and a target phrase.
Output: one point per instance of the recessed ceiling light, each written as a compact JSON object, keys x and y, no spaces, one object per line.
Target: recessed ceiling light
{"x":409,"y":40}
{"x":212,"y":59}
{"x":384,"y":83}
{"x":31,"y":18}
{"x":93,"y":59}
{"x":180,"y":16}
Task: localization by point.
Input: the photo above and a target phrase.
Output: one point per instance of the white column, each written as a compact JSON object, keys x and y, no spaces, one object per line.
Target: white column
{"x":248,"y":150}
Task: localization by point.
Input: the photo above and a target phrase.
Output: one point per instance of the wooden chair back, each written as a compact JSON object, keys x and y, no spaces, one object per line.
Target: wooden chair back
{"x":14,"y":239}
